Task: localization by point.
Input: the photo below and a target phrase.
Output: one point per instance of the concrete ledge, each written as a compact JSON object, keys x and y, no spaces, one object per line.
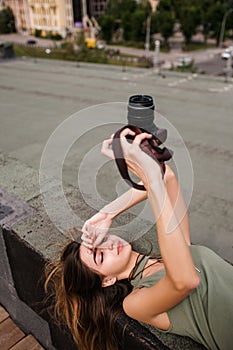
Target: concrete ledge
{"x":25,"y":232}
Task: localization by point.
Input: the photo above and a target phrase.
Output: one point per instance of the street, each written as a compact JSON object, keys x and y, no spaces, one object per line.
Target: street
{"x":207,"y":61}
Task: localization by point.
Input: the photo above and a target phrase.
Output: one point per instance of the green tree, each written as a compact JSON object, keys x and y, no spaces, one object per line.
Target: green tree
{"x":138,"y":26}
{"x":165,"y":19}
{"x":126,"y":24}
{"x":189,"y":20}
{"x":215,"y":16}
{"x":130,"y":15}
{"x":154,"y":23}
{"x":117,"y":8}
{"x":7,"y":21}
{"x":107,"y":25}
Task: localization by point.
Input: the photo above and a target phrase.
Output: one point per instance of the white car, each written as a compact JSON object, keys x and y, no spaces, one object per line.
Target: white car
{"x":183,"y":62}
{"x":227,"y":53}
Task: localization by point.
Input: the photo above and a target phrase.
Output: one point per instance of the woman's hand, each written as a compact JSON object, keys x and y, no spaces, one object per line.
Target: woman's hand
{"x":134,"y":156}
{"x":95,"y":229}
{"x":140,"y":163}
{"x":106,"y":148}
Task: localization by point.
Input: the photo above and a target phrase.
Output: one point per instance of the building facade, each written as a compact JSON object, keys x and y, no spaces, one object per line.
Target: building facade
{"x":53,"y":16}
{"x":57,"y":16}
{"x":97,"y":7}
{"x":21,"y":13}
{"x":46,"y":16}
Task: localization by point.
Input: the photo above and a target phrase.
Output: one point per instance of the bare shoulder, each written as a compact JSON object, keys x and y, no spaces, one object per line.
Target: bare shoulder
{"x":135,"y":305}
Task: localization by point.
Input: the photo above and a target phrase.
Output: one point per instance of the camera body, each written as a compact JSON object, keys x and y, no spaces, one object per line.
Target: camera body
{"x":141,"y":113}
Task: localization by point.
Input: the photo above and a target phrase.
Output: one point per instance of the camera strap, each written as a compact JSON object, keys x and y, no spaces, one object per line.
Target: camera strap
{"x":149,"y":146}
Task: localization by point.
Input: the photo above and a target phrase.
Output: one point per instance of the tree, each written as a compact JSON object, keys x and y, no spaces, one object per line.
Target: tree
{"x":7,"y":21}
{"x":165,"y":19}
{"x":189,"y":20}
{"x":107,"y":25}
{"x":204,"y":6}
{"x":215,"y":16}
{"x":126,"y":24}
{"x":117,"y":8}
{"x":138,"y":26}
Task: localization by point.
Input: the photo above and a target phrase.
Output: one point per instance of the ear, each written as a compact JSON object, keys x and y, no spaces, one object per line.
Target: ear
{"x":108,"y":281}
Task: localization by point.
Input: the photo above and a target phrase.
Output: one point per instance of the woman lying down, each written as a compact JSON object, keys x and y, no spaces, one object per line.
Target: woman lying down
{"x":188,"y":290}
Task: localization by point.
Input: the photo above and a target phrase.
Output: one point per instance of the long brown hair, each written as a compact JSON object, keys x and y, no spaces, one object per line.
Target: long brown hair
{"x":89,"y":310}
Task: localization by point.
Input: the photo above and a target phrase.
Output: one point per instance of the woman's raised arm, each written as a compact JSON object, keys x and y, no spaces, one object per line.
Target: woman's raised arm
{"x":181,"y":276}
{"x":95,"y":228}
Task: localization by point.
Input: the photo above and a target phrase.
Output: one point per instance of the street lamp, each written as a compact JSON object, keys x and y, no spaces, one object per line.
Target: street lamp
{"x":147,"y":44}
{"x":223,"y":26}
{"x":156,"y":56}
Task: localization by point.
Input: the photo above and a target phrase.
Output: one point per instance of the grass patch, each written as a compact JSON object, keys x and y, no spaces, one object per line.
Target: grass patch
{"x":84,"y":55}
{"x":195,"y":46}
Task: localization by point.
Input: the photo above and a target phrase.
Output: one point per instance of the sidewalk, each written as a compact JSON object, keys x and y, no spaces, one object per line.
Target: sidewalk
{"x":22,"y":39}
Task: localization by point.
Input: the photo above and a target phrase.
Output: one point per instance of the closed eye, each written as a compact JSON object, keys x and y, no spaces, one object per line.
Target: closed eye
{"x":94,"y":256}
{"x":101,"y":256}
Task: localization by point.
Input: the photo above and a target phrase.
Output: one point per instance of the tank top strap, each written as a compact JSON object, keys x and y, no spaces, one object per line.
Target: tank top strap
{"x":138,"y":273}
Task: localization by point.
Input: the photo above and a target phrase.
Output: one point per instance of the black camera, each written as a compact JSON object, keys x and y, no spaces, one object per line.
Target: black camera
{"x":141,"y":113}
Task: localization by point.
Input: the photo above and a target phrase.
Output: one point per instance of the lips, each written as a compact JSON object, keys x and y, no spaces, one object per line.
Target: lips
{"x":119,"y":247}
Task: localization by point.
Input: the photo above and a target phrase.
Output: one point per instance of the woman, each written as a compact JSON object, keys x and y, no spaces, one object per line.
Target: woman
{"x":188,"y":291}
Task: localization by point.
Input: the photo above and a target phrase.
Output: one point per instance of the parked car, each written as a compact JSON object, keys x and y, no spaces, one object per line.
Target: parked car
{"x":100,"y":45}
{"x":227,"y":53}
{"x":31,"y":42}
{"x":183,"y":61}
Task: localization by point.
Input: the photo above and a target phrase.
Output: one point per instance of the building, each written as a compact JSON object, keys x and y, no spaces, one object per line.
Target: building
{"x":2,"y":5}
{"x":21,"y":13}
{"x":53,"y":16}
{"x":97,"y":7}
{"x":46,"y":16}
{"x":57,"y":16}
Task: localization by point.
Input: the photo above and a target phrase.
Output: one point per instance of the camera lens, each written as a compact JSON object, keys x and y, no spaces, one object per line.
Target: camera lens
{"x":141,"y":101}
{"x":141,"y":113}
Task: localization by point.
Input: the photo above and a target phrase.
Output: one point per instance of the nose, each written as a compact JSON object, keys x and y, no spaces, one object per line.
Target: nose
{"x":110,"y":244}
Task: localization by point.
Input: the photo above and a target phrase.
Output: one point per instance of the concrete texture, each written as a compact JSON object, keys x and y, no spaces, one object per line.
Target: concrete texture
{"x":37,"y":96}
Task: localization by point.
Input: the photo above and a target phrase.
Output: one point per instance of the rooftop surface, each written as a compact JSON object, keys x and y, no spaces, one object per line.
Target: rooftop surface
{"x":54,"y":117}
{"x":37,"y":96}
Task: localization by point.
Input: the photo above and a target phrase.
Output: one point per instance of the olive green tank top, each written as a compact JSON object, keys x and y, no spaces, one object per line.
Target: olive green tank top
{"x":206,"y":314}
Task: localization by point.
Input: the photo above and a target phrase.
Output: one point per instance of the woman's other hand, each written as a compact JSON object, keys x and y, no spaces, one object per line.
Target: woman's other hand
{"x":95,"y":229}
{"x":106,"y":149}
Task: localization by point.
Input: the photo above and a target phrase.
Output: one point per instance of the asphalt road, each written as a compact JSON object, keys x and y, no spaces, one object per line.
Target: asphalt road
{"x":207,"y":61}
{"x":37,"y":98}
{"x":215,"y":66}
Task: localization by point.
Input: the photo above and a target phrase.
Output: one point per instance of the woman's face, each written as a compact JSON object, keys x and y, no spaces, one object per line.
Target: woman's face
{"x":110,"y":258}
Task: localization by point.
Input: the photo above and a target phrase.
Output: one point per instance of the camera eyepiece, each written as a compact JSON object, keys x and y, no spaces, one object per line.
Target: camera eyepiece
{"x":141,"y":113}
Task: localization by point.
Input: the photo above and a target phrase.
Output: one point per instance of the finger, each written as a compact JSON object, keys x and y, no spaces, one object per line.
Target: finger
{"x":88,"y":233}
{"x":99,"y":239}
{"x":123,"y":135}
{"x":90,"y":246}
{"x":86,"y":237}
{"x":106,"y":150}
{"x":139,"y":138}
{"x":86,"y":229}
{"x":126,"y":132}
